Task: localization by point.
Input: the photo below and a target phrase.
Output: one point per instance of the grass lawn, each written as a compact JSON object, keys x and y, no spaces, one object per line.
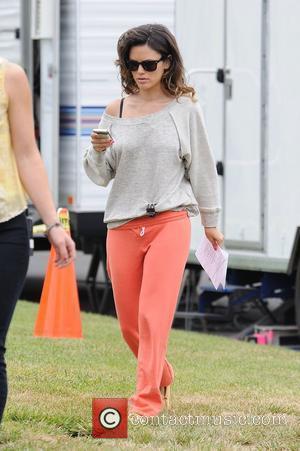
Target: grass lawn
{"x":52,"y":383}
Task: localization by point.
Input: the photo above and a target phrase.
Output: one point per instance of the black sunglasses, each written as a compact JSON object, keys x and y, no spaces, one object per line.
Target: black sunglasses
{"x":148,"y":65}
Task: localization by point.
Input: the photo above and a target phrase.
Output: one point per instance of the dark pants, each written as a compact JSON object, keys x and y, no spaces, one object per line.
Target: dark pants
{"x":14,"y":258}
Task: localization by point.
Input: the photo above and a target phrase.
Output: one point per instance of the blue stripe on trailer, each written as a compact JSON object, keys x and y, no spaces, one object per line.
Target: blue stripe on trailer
{"x":89,"y":118}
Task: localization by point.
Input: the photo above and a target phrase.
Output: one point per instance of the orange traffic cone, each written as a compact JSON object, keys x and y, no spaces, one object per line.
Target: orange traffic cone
{"x":59,"y":310}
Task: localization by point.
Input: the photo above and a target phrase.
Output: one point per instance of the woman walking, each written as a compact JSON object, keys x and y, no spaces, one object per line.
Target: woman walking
{"x":164,"y":172}
{"x":22,"y":173}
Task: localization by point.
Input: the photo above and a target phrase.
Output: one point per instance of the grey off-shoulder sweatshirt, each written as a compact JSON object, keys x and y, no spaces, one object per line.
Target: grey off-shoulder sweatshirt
{"x":163,"y":158}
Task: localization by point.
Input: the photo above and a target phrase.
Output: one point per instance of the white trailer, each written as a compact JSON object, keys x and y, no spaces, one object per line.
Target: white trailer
{"x":238,"y":54}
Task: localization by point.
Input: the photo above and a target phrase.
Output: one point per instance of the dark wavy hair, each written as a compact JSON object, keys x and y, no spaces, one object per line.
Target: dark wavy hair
{"x":159,"y":38}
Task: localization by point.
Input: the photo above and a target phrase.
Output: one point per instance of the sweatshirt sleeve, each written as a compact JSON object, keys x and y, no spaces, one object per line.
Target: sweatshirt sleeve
{"x":201,"y":170}
{"x":99,"y":166}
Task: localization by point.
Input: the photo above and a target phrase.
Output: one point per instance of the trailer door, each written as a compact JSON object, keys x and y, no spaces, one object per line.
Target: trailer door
{"x":200,"y":34}
{"x":243,"y":189}
{"x":223,"y":50}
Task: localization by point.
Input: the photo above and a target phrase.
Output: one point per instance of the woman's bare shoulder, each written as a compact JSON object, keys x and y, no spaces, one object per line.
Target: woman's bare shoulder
{"x":113,"y":107}
{"x":15,"y":78}
{"x":12,"y":69}
{"x":14,"y":73}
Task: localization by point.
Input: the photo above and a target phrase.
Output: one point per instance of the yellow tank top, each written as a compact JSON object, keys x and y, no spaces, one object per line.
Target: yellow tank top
{"x":13,"y":198}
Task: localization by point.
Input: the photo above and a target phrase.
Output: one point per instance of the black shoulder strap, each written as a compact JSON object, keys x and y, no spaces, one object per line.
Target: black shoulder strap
{"x":121,"y":106}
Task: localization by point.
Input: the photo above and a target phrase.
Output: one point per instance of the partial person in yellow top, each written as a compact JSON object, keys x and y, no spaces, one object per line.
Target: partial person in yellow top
{"x":22,"y":172}
{"x":13,"y":200}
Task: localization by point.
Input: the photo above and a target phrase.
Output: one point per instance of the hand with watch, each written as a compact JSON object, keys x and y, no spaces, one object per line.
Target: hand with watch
{"x":62,"y":242}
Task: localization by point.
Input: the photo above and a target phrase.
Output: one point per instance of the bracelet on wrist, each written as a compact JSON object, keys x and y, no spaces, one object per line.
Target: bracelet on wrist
{"x":51,"y":226}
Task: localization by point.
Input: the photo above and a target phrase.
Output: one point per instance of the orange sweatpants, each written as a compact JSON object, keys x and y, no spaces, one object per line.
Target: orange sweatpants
{"x":146,"y":258}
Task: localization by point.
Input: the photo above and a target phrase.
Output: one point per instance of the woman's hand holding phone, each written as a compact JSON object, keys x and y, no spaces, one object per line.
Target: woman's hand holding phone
{"x":101,"y":139}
